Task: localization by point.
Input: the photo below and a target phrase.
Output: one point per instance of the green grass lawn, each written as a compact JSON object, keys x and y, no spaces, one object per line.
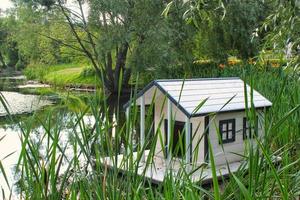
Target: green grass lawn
{"x":63,"y":75}
{"x":70,"y":76}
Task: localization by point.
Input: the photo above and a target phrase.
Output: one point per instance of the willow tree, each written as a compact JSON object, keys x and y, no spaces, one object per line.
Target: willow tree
{"x":2,"y":41}
{"x":8,"y":47}
{"x":226,"y":27}
{"x":108,"y":33}
{"x":283,"y":32}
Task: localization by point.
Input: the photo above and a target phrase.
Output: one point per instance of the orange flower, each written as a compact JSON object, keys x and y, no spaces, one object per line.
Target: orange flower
{"x":251,"y":61}
{"x":275,"y":64}
{"x":222,"y":66}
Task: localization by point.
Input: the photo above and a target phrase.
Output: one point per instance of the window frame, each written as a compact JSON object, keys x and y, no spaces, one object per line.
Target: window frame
{"x":221,"y":131}
{"x":249,"y":135}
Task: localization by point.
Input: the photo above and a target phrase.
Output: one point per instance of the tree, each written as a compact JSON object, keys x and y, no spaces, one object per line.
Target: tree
{"x":39,"y":34}
{"x":8,"y":46}
{"x":110,"y":34}
{"x":282,"y":31}
{"x":119,"y":37}
{"x":227,"y":27}
{"x":2,"y":41}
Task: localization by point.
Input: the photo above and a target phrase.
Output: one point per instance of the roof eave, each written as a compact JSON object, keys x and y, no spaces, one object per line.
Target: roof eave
{"x":155,"y":83}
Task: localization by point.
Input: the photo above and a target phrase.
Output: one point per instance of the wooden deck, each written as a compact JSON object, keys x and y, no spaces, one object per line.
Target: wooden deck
{"x":159,"y":169}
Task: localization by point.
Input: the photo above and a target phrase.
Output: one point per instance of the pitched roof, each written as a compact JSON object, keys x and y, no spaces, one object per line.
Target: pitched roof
{"x":217,"y":94}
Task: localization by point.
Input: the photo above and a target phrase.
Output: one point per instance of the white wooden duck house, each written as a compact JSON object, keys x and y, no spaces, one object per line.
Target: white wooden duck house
{"x":212,"y":109}
{"x":195,"y":112}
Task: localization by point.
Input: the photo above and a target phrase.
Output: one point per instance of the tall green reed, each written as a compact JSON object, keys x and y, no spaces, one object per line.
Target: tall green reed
{"x":51,"y":169}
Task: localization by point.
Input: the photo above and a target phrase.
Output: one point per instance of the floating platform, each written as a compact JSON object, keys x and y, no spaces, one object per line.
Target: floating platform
{"x":159,"y":169}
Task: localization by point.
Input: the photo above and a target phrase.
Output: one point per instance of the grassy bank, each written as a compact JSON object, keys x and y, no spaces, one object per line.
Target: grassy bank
{"x":77,"y":75}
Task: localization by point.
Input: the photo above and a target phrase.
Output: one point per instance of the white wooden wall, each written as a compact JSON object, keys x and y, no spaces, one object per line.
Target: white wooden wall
{"x":220,"y":156}
{"x":231,"y":148}
{"x":161,"y":115}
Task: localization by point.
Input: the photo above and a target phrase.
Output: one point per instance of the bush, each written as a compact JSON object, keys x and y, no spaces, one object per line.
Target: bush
{"x":87,"y":72}
{"x":20,"y":65}
{"x":35,"y":72}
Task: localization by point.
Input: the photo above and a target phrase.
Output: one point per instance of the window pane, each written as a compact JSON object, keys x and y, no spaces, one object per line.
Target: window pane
{"x":229,"y":126}
{"x":229,"y":134}
{"x":225,"y":136}
{"x":224,"y":128}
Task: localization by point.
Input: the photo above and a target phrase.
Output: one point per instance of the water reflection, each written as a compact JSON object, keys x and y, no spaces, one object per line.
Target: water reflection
{"x":18,"y":103}
{"x":41,"y":111}
{"x":11,"y":143}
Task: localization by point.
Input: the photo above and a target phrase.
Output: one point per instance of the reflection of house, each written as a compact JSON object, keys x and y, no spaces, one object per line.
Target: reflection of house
{"x":190,"y":114}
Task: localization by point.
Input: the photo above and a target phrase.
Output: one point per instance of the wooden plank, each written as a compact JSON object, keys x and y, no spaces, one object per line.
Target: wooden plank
{"x":211,"y":92}
{"x":157,"y":172}
{"x":170,"y":118}
{"x":214,"y":102}
{"x":191,"y":98}
{"x":142,"y":126}
{"x":228,"y":107}
{"x":203,"y":86}
{"x":188,"y":141}
{"x":198,"y":82}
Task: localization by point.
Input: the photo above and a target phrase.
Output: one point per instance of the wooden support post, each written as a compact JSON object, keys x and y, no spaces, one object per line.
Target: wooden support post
{"x":142,"y":128}
{"x":129,"y":129}
{"x":169,"y":149}
{"x":188,"y":141}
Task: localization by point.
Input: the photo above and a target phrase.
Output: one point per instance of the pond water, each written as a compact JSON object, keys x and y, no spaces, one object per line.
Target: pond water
{"x":24,"y":107}
{"x":18,"y":103}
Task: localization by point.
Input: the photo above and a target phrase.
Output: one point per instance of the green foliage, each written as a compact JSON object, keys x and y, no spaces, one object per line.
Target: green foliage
{"x":155,"y":42}
{"x":282,"y":32}
{"x":88,"y":71}
{"x":166,"y":48}
{"x":160,"y":45}
{"x":8,"y":47}
{"x":33,"y":36}
{"x":232,"y":34}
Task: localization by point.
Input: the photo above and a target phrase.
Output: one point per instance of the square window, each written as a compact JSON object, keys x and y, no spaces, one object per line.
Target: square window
{"x":249,"y":129}
{"x":227,"y":130}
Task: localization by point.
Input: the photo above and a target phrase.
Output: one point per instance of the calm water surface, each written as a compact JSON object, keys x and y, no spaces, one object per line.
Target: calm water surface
{"x":21,"y":107}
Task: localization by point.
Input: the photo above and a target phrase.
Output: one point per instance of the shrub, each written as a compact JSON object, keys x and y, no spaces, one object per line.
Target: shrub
{"x":87,"y":72}
{"x":35,"y":72}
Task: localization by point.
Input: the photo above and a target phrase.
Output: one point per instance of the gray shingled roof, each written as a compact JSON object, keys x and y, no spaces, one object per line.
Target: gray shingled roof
{"x":219,"y":94}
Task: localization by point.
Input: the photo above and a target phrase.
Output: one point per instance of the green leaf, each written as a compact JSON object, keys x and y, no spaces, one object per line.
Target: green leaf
{"x":214,"y":173}
{"x":167,"y":9}
{"x":242,"y":188}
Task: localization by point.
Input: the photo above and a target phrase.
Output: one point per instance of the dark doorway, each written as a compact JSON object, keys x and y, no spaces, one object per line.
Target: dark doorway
{"x":177,"y":139}
{"x":149,"y":124}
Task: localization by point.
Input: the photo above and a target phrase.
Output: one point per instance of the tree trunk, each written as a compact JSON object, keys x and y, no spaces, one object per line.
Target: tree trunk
{"x":103,"y":68}
{"x":2,"y":61}
{"x":120,"y":67}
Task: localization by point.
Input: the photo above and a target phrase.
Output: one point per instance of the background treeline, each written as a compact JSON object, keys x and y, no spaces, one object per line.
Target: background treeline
{"x":151,"y":37}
